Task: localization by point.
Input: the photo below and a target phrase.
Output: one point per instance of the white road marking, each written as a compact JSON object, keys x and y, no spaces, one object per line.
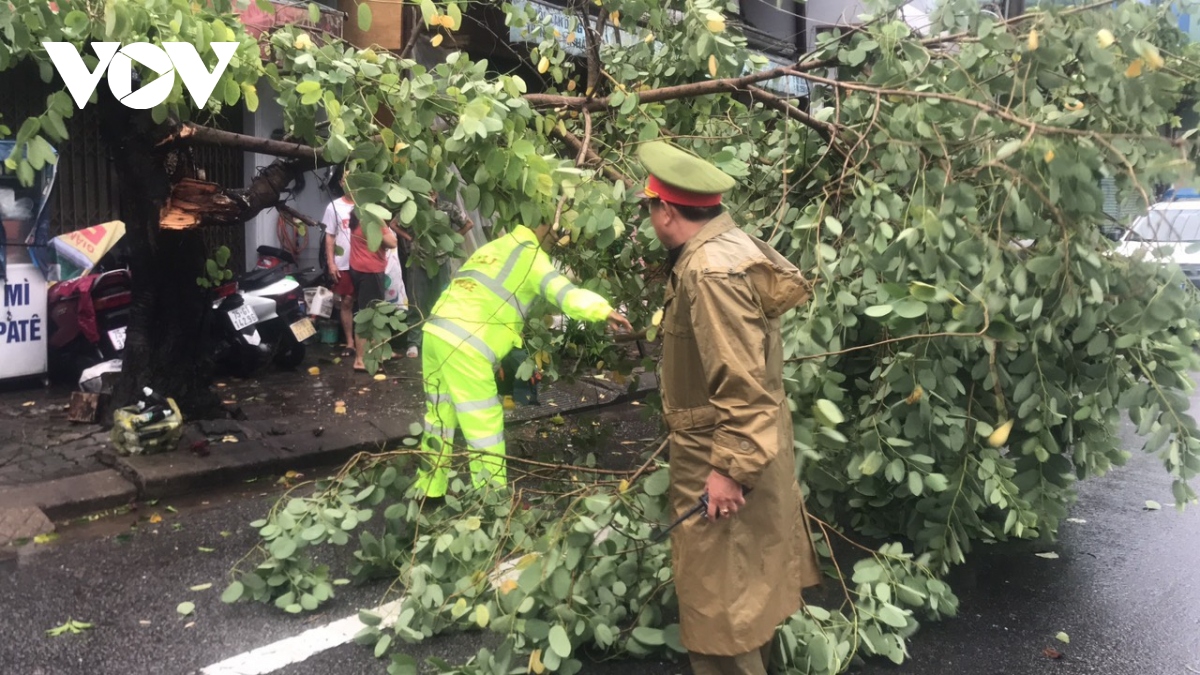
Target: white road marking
{"x":295,"y":649}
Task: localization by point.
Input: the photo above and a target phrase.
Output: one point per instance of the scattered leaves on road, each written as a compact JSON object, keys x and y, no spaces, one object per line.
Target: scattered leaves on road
{"x":186,"y":608}
{"x":155,"y":519}
{"x":1152,"y":505}
{"x":1051,"y":653}
{"x":28,"y":404}
{"x":71,"y":626}
{"x":1063,"y":638}
{"x":201,"y":587}
{"x":1077,"y":521}
{"x":1048,"y":555}
{"x":45,"y":538}
{"x":226,"y":533}
{"x":314,"y":371}
{"x":205,"y":549}
{"x":339,"y":408}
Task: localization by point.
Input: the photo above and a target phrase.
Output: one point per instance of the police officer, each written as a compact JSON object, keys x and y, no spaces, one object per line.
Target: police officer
{"x":738,"y":573}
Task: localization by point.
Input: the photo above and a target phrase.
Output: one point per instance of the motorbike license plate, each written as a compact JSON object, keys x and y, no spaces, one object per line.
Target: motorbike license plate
{"x":243,"y":316}
{"x":117,"y":337}
{"x":303,"y":329}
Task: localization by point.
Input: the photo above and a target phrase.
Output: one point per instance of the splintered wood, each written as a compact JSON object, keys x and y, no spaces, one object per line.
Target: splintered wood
{"x":192,"y":201}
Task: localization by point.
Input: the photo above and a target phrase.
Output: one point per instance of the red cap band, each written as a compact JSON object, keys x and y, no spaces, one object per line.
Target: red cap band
{"x":656,"y":189}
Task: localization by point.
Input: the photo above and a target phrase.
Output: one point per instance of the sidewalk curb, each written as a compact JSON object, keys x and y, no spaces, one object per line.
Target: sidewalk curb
{"x":269,"y":446}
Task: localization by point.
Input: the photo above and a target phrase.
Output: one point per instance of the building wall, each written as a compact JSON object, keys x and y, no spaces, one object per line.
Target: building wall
{"x":264,"y":229}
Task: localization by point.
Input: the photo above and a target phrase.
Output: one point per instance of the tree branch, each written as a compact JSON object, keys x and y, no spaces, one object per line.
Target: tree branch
{"x":828,"y":131}
{"x":283,"y":208}
{"x":691,"y":90}
{"x":592,"y":158}
{"x":195,"y":133}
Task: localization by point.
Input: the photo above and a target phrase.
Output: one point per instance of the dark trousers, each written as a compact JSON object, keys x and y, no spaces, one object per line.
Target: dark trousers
{"x":423,"y":293}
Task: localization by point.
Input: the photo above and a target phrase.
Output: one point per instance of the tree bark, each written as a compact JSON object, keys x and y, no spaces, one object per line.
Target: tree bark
{"x":166,"y":345}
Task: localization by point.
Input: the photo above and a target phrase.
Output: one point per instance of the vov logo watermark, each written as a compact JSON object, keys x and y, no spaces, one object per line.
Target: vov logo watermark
{"x":172,"y":57}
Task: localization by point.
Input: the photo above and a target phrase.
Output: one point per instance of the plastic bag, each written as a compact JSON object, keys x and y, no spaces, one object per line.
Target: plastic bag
{"x":394,"y":290}
{"x":130,"y":436}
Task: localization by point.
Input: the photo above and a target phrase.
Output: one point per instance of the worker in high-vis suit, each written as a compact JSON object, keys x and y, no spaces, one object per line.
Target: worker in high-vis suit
{"x":477,"y":321}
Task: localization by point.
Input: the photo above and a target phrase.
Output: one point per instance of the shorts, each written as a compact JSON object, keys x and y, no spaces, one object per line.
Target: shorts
{"x":344,"y":286}
{"x":368,"y":288}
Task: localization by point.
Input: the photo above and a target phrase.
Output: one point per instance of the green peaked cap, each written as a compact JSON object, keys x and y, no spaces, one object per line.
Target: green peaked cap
{"x":681,"y":169}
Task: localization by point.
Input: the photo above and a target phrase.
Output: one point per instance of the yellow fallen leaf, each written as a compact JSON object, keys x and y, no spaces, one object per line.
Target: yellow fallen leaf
{"x":571,"y":85}
{"x":916,"y":395}
{"x":293,"y":475}
{"x":314,"y":371}
{"x":436,"y":40}
{"x":535,"y":662}
{"x":509,"y":403}
{"x":624,"y":486}
{"x":571,"y":39}
{"x":1134,"y":69}
{"x":712,"y":65}
{"x":715,"y":22}
{"x":615,"y":17}
{"x":380,"y":377}
{"x":564,"y":240}
{"x":339,"y":408}
{"x":1049,"y":156}
{"x":649,"y":37}
{"x":45,"y":538}
{"x":657,"y":318}
{"x":508,"y":587}
{"x":1000,"y":436}
{"x":155,"y":519}
{"x":28,"y":404}
{"x":1104,"y":38}
{"x":543,"y":65}
{"x":229,"y":439}
{"x":1033,"y":40}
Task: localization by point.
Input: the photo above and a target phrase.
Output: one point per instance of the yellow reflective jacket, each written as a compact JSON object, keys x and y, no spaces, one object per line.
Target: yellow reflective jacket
{"x":488,"y":300}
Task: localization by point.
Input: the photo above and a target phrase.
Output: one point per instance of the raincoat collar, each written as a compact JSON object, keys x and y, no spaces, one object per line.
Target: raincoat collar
{"x":713,"y":228}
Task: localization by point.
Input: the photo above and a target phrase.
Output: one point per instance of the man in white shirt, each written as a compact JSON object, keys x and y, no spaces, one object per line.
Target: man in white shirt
{"x":337,"y":253}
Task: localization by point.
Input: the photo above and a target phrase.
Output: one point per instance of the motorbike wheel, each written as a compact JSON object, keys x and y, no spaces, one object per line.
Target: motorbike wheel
{"x":290,"y":353}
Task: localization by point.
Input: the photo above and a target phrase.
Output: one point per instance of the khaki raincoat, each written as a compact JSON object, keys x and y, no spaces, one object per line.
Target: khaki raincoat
{"x":722,"y":369}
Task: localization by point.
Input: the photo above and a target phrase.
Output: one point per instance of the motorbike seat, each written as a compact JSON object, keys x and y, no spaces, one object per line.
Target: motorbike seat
{"x":260,"y":278}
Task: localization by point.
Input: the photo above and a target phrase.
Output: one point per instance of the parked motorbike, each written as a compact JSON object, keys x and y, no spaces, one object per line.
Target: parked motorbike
{"x":261,"y":318}
{"x":89,"y":317}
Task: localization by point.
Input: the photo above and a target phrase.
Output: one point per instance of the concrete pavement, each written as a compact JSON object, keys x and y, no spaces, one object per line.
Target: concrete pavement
{"x":292,"y":421}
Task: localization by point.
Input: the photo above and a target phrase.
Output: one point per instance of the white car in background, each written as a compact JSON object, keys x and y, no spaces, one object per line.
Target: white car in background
{"x":1167,"y":233}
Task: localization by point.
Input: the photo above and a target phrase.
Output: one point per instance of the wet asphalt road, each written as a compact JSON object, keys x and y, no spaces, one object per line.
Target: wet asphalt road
{"x":1126,"y":588}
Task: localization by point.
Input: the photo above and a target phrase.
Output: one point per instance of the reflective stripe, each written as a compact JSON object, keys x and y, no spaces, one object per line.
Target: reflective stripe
{"x":497,"y":287}
{"x":472,"y":406}
{"x":486,"y":442}
{"x":512,"y":260}
{"x":547,"y":281}
{"x":440,"y":432}
{"x":562,"y":294}
{"x":437,"y":399}
{"x":466,"y":336}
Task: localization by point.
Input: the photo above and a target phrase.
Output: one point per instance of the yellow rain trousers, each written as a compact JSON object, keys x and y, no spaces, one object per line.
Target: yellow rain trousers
{"x":477,"y":321}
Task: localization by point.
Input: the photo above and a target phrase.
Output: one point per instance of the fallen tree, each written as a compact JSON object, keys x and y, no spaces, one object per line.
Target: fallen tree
{"x":971,"y":347}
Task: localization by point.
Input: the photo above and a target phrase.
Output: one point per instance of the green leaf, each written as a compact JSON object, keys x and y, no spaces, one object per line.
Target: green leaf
{"x":283,"y":547}
{"x":381,"y":647}
{"x":1152,"y":505}
{"x":652,"y":637}
{"x":910,"y":309}
{"x":877,"y":311}
{"x":1008,"y":149}
{"x":915,"y":484}
{"x":186,"y":608}
{"x":657,"y":483}
{"x":828,"y":412}
{"x":1063,"y":638}
{"x":364,"y":17}
{"x":314,"y":13}
{"x":428,"y":11}
{"x":559,"y":642}
{"x":233,"y":593}
{"x":200,"y":587}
